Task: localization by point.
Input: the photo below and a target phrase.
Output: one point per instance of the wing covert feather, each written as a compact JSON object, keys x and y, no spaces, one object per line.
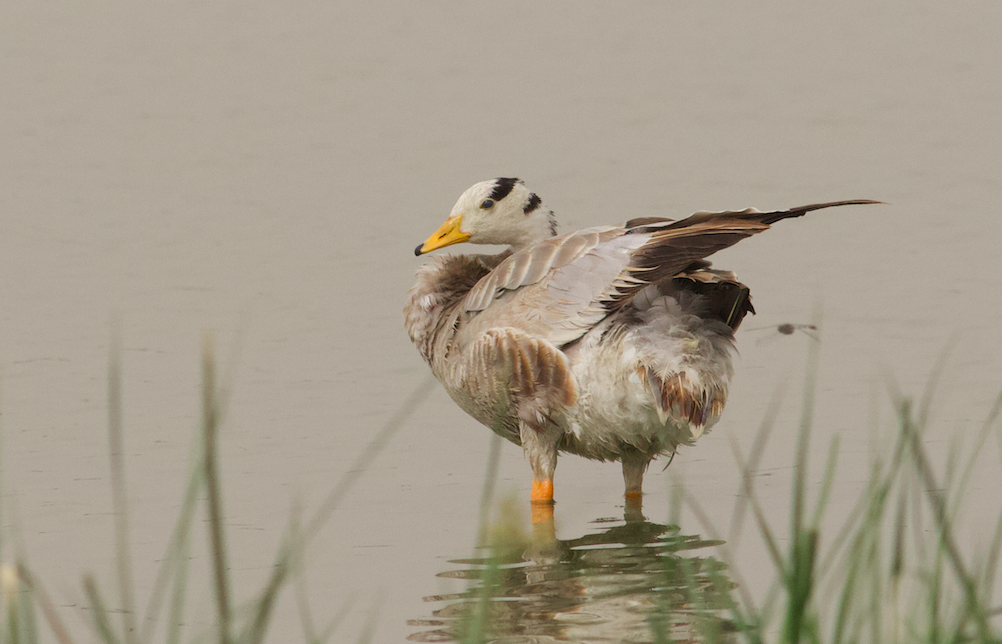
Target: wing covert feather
{"x":530,"y":265}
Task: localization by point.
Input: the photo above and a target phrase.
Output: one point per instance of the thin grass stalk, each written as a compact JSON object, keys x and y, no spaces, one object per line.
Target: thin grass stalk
{"x":718,"y":587}
{"x":960,"y":487}
{"x":175,"y":615}
{"x":477,"y":624}
{"x":300,"y":587}
{"x":967,"y":583}
{"x":929,"y":391}
{"x":216,"y":538}
{"x":259,"y":625}
{"x":2,"y":516}
{"x":369,"y":629}
{"x":12,"y":596}
{"x":41,"y":597}
{"x":935,"y":597}
{"x":348,"y":481}
{"x":675,"y":499}
{"x":371,"y":451}
{"x":119,"y":497}
{"x":658,"y":630}
{"x":845,"y":601}
{"x":799,"y":576}
{"x":859,"y":551}
{"x":13,"y":632}
{"x":99,"y":610}
{"x":880,"y":484}
{"x":876,"y":583}
{"x":871,"y":508}
{"x":289,"y":558}
{"x":992,"y":561}
{"x":826,"y":482}
{"x":28,"y":611}
{"x":898,"y":553}
{"x":770,"y":540}
{"x":335,"y":622}
{"x":799,"y":585}
{"x":180,"y":536}
{"x":773,"y":596}
{"x":742,"y":587}
{"x":918,"y":516}
{"x":490,"y":482}
{"x":722,"y":586}
{"x":306,"y":620}
{"x":804,"y":438}
{"x":843,"y":538}
{"x":690,"y":589}
{"x":754,"y":459}
{"x":175,"y":555}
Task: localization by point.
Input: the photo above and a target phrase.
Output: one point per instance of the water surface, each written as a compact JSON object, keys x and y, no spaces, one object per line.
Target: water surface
{"x":265,"y":170}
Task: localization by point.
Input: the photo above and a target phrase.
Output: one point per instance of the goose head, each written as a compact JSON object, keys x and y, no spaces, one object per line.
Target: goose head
{"x":500,"y":211}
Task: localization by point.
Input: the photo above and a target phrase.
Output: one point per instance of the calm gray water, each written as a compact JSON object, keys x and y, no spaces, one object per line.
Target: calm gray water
{"x":264,"y":170}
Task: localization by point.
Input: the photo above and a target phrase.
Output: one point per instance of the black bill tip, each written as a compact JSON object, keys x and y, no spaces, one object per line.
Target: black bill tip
{"x":417,"y":251}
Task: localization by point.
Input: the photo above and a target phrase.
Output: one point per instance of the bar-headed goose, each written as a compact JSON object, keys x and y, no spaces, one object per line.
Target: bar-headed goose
{"x":613,"y":342}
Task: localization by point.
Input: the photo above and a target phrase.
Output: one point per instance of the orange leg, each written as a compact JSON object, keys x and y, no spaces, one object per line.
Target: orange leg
{"x":542,"y":491}
{"x":542,"y":501}
{"x":634,"y":466}
{"x":540,"y":447}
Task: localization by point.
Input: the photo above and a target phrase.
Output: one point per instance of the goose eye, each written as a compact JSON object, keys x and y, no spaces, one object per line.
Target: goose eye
{"x":487,"y":204}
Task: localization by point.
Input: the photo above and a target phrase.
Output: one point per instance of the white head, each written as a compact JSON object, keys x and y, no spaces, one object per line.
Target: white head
{"x":500,"y":211}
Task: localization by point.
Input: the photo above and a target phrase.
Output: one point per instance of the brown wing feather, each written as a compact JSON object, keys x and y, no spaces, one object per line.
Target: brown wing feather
{"x":674,"y":246}
{"x":646,"y":221}
{"x":509,"y":370}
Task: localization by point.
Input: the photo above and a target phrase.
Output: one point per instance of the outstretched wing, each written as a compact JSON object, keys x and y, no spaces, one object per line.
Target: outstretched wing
{"x":560,"y":288}
{"x":673,"y":246}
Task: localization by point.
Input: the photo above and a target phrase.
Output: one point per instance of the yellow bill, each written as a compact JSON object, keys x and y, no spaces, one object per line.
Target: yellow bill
{"x":447,"y":235}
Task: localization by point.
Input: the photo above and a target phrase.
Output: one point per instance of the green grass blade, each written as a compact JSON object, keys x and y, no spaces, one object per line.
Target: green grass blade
{"x":175,"y":615}
{"x":826,"y":483}
{"x":119,"y":496}
{"x":41,"y":597}
{"x":266,"y":604}
{"x":754,"y":459}
{"x":767,"y":535}
{"x":707,"y":524}
{"x":370,"y":624}
{"x":992,"y":560}
{"x":100,"y":612}
{"x":217,"y":540}
{"x":359,"y":465}
{"x":176,"y":554}
{"x":335,"y":622}
{"x":803,"y":440}
{"x":490,"y":481}
{"x":940,"y":515}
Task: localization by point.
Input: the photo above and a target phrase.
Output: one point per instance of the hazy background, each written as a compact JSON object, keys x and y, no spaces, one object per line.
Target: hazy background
{"x":264,"y":170}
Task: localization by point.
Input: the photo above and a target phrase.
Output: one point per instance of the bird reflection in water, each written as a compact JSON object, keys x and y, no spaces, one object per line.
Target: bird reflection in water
{"x":633,"y":581}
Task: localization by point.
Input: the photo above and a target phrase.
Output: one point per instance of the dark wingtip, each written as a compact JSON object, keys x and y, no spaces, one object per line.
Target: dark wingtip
{"x":417,"y":251}
{"x":830,"y":204}
{"x":860,"y":202}
{"x":773,"y":217}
